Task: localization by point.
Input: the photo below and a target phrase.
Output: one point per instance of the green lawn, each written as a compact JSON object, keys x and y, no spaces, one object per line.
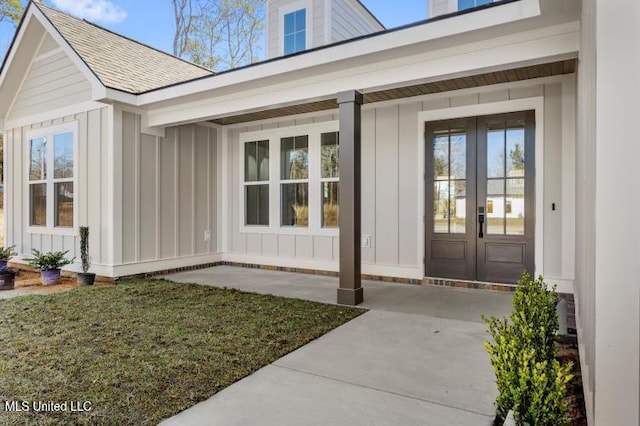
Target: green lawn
{"x":144,"y":350}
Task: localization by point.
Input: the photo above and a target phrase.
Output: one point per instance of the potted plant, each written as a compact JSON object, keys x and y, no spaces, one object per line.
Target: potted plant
{"x":7,"y":278}
{"x":85,"y":277}
{"x":6,"y":253}
{"x":49,"y":264}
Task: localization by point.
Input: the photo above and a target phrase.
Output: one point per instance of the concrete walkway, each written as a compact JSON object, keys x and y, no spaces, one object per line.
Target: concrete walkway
{"x":416,"y":358}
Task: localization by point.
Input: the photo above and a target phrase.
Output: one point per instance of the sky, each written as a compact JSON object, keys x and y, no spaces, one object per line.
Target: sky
{"x":151,"y":21}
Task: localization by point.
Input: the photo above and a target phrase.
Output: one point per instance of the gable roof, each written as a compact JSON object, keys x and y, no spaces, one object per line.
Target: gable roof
{"x":119,"y":62}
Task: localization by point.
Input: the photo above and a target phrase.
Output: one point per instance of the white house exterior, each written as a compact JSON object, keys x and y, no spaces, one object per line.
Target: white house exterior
{"x":172,"y":166}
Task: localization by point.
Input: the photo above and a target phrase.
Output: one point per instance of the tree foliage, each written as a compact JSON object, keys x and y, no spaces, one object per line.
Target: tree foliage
{"x":11,"y":10}
{"x":218,"y":34}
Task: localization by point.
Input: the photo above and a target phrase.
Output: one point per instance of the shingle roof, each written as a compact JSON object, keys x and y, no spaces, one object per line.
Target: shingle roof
{"x":121,"y":63}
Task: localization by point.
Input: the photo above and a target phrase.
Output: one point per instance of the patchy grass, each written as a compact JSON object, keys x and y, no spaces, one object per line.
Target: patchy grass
{"x":144,"y":350}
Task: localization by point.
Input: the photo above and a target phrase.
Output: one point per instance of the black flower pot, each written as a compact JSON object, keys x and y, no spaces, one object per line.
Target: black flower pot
{"x":86,"y":278}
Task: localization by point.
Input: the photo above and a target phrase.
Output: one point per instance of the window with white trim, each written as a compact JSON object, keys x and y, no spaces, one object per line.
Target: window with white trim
{"x":51,"y":178}
{"x":256,"y":182}
{"x":295,"y":188}
{"x":295,"y":31}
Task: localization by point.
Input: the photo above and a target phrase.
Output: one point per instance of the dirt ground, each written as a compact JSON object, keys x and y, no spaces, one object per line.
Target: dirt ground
{"x":28,"y":282}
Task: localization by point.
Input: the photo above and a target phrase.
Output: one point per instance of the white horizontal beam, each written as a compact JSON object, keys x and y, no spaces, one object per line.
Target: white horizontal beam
{"x":390,"y":41}
{"x":519,"y":49}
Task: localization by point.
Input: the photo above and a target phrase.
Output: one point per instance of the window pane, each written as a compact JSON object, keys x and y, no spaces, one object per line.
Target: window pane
{"x":458,"y":148}
{"x":495,"y":153}
{"x":441,"y":207}
{"x":256,"y":161}
{"x":301,"y":20}
{"x":329,"y":155}
{"x":38,"y":159}
{"x":495,"y":199}
{"x":63,"y":156}
{"x":441,"y":157}
{"x":295,"y":204}
{"x":250,"y":162}
{"x":514,"y":208}
{"x":263,"y":160}
{"x":458,"y":206}
{"x":38,"y":204}
{"x":465,"y":4}
{"x":515,"y":152}
{"x":63,"y":207}
{"x":295,"y":157}
{"x":289,"y":44}
{"x":300,"y":41}
{"x":330,"y":204}
{"x":257,"y":205}
{"x":289,"y":23}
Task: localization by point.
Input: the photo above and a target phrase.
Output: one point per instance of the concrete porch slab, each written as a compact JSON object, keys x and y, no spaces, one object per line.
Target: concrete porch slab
{"x":442,"y":302}
{"x":416,"y":358}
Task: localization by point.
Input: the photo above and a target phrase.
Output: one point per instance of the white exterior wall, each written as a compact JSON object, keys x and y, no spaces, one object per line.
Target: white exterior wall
{"x":51,"y":82}
{"x":585,"y":198}
{"x":169,"y":197}
{"x":93,"y":182}
{"x":617,"y":207}
{"x":347,"y":22}
{"x":390,"y":187}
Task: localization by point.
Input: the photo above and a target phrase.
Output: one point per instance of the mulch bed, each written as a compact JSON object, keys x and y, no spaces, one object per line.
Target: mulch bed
{"x":567,"y":351}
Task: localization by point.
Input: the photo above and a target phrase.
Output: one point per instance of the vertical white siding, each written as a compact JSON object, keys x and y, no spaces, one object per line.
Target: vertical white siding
{"x":168,"y":192}
{"x":52,"y":82}
{"x":390,"y":185}
{"x":584,"y":286}
{"x":91,"y":183}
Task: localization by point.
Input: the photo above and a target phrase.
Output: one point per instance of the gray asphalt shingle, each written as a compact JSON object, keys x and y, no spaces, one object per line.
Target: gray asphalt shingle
{"x":121,"y":63}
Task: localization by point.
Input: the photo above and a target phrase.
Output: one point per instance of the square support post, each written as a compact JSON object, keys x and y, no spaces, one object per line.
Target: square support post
{"x":350,"y":291}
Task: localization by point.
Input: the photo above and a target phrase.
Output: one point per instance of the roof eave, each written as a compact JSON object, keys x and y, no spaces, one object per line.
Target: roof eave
{"x":386,"y":41}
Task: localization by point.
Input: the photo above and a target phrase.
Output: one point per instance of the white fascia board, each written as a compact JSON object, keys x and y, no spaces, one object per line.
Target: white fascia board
{"x":387,"y":41}
{"x":520,"y":49}
{"x":14,"y":48}
{"x":96,"y":84}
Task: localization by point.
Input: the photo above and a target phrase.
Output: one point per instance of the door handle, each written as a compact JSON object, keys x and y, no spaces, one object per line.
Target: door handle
{"x":480,"y":221}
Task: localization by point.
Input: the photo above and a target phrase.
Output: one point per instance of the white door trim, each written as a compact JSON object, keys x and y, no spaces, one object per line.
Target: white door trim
{"x":533,"y":103}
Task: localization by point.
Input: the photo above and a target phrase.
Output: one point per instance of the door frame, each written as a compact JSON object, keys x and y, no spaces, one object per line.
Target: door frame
{"x":534,"y":103}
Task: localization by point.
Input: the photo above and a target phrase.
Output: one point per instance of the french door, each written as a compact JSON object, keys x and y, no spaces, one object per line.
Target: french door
{"x":480,"y":205}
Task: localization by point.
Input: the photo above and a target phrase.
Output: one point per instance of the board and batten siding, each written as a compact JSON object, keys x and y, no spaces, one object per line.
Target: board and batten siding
{"x":169,"y":197}
{"x":274,"y":24}
{"x":90,"y":194}
{"x":390,"y":186}
{"x":347,"y":22}
{"x":52,"y":81}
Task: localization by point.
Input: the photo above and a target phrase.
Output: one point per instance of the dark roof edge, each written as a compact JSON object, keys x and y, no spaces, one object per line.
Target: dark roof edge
{"x":15,"y":37}
{"x":342,"y":42}
{"x":371,"y":14}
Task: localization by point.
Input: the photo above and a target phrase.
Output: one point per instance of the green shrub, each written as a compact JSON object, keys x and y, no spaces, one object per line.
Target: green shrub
{"x":49,"y":261}
{"x":7,"y":253}
{"x":529,"y":379}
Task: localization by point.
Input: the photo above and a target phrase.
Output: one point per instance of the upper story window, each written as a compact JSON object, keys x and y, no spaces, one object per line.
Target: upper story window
{"x":51,"y":178}
{"x":468,"y":4}
{"x":295,"y":31}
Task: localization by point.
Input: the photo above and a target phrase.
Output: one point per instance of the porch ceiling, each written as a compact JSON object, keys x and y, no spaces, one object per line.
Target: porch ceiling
{"x":486,"y":79}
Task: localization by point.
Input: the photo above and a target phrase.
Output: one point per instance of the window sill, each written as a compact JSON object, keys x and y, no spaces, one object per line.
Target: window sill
{"x":290,"y":230}
{"x":43,"y":230}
